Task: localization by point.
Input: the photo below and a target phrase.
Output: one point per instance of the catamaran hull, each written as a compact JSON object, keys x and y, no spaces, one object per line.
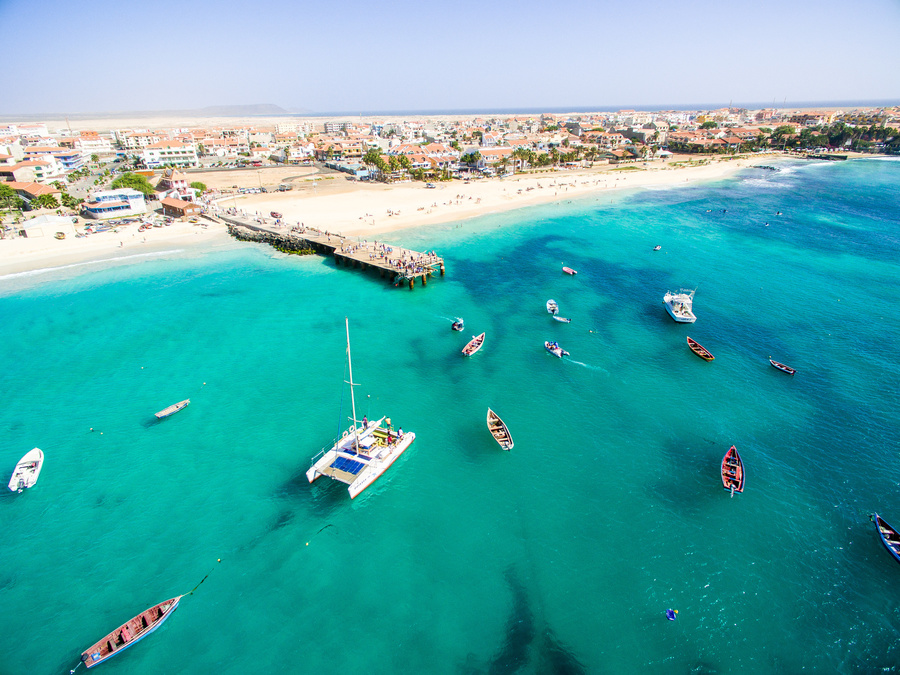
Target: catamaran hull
{"x":373,"y":472}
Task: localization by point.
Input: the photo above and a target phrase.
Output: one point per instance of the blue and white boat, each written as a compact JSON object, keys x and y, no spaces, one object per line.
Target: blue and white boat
{"x":129,"y":633}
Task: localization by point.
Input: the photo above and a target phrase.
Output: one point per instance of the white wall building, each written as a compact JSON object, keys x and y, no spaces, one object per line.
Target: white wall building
{"x":172,"y":153}
{"x":114,"y":204}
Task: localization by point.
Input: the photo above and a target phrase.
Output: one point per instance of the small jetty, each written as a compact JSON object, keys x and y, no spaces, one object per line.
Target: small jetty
{"x":398,"y":265}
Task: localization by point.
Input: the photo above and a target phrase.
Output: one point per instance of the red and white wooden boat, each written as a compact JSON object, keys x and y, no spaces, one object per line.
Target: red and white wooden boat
{"x":569,"y":270}
{"x":700,"y":350}
{"x":474,"y":345}
{"x":129,"y":633}
{"x":783,"y":368}
{"x":733,"y":471}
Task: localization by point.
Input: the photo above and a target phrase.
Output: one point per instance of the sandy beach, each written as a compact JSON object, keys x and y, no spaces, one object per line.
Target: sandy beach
{"x":332,"y":202}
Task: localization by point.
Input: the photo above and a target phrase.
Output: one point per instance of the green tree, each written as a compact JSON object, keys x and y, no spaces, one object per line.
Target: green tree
{"x":95,"y":158}
{"x":371,"y":156}
{"x":709,"y":124}
{"x":8,"y":196}
{"x":198,"y":186}
{"x":69,"y":201}
{"x":134,"y":181}
{"x":44,"y":202}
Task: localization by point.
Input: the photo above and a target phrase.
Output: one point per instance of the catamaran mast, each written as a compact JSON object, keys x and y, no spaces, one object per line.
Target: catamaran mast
{"x":352,"y":397}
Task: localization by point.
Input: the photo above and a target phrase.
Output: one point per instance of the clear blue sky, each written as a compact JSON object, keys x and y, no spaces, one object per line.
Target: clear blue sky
{"x":97,"y":56}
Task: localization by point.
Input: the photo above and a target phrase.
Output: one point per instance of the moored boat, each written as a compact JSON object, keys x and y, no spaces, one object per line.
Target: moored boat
{"x":679,"y":305}
{"x":555,"y":349}
{"x":499,"y":430}
{"x":552,"y":307}
{"x":364,"y":451}
{"x":129,"y":633}
{"x":473,"y":345}
{"x":569,"y":270}
{"x":172,"y":409}
{"x":459,"y":324}
{"x":783,"y":368}
{"x":27,"y":470}
{"x":657,"y":247}
{"x":733,"y":471}
{"x":561,"y":319}
{"x":889,"y":536}
{"x":700,"y":350}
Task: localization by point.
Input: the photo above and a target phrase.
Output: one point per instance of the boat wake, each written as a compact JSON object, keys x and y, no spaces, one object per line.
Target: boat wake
{"x":587,"y":365}
{"x":46,"y":270}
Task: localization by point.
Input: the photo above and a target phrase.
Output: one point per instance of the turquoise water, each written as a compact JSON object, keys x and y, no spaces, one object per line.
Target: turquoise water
{"x":558,"y":557}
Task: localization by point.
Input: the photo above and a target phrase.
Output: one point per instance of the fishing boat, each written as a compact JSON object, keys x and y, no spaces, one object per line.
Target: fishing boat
{"x":172,"y":409}
{"x":473,"y":345}
{"x":134,"y":630}
{"x":552,"y":307}
{"x":364,"y":451}
{"x":569,"y":270}
{"x":27,"y":470}
{"x":555,"y":349}
{"x":679,"y":305}
{"x":733,"y":471}
{"x":783,"y":368}
{"x":700,"y":350}
{"x":657,"y":247}
{"x":129,"y":633}
{"x":458,"y":324}
{"x":889,"y":537}
{"x":499,"y":430}
{"x":561,"y":319}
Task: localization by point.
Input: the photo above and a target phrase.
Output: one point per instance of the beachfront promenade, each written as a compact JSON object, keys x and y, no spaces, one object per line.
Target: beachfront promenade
{"x":397,"y":264}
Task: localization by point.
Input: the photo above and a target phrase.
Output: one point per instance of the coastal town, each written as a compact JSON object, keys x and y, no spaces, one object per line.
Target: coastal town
{"x":64,"y":181}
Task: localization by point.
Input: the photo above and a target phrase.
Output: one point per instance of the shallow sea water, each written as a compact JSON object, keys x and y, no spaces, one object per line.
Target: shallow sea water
{"x":558,"y":557}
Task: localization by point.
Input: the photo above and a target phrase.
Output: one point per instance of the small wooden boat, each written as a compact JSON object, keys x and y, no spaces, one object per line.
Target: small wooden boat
{"x":733,"y":471}
{"x":458,"y":324}
{"x":474,"y":345}
{"x":555,"y":349}
{"x":499,"y":430}
{"x":552,"y":307}
{"x":700,"y":350}
{"x":561,"y":319}
{"x":172,"y":409}
{"x":569,"y":270}
{"x":783,"y":368}
{"x":889,"y":537}
{"x":129,"y":633}
{"x":27,"y":470}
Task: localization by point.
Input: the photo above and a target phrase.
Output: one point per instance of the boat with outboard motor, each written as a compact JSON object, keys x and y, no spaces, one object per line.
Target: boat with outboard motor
{"x":679,"y":305}
{"x":555,"y":349}
{"x":459,"y":324}
{"x":27,"y":470}
{"x":552,"y":307}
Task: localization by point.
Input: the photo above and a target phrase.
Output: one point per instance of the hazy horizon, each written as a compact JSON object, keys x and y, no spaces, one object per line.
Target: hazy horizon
{"x":417,"y":57}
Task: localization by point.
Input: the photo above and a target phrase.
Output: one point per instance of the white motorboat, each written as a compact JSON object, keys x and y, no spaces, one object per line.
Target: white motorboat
{"x":561,"y":319}
{"x":27,"y":470}
{"x":364,"y":451}
{"x":679,"y":305}
{"x":552,"y":307}
{"x":555,"y":349}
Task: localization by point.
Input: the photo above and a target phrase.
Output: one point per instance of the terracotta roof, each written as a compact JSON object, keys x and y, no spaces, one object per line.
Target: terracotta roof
{"x":33,"y":189}
{"x":177,"y":203}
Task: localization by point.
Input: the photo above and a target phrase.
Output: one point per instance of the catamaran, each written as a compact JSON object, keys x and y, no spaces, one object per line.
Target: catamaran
{"x":679,"y":305}
{"x":364,"y":451}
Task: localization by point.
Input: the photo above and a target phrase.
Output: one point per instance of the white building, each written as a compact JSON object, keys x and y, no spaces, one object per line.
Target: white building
{"x":170,"y":153}
{"x":46,"y":226}
{"x":114,"y":204}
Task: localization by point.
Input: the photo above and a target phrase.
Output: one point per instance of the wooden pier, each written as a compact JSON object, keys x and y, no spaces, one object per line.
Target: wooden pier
{"x":398,"y":265}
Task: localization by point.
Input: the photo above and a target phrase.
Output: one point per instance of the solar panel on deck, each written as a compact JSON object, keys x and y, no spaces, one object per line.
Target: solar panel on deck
{"x":348,"y":465}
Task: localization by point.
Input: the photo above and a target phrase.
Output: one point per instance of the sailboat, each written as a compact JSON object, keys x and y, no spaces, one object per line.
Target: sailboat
{"x":364,"y":451}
